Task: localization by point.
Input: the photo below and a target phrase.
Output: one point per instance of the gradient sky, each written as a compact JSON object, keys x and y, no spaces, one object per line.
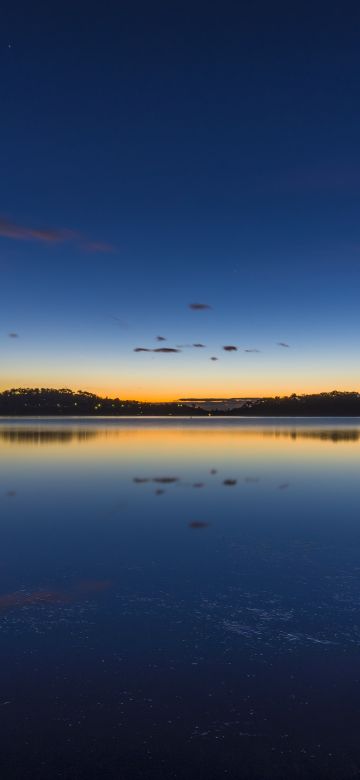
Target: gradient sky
{"x":158,"y":154}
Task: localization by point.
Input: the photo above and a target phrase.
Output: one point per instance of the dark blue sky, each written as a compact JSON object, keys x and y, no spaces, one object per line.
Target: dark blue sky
{"x":214,"y":148}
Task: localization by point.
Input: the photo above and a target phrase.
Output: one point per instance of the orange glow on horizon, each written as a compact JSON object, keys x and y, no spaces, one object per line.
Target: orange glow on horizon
{"x":154,"y":395}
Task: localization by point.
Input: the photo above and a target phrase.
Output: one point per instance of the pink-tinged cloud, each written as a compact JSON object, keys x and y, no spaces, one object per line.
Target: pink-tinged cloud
{"x":97,"y":246}
{"x":21,"y":233}
{"x":17,"y":232}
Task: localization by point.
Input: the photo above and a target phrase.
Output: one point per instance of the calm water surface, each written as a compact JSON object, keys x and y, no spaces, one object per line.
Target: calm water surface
{"x":180,"y":599}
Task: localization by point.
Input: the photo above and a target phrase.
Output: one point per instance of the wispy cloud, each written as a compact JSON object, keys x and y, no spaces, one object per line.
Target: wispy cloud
{"x":20,"y":233}
{"x":17,"y":232}
{"x":13,"y":335}
{"x":122,"y":323}
{"x":282,"y":344}
{"x":230,"y":348}
{"x":96,"y":246}
{"x":199,"y":306}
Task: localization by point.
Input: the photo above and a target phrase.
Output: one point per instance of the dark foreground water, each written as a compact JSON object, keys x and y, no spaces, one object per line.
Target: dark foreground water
{"x":179,"y":599}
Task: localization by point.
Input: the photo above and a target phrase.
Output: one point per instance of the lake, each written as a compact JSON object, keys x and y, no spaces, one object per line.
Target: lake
{"x":179,"y":598}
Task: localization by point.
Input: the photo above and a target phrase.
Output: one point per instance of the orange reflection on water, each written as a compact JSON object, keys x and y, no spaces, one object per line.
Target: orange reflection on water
{"x":175,"y":442}
{"x":22,"y":598}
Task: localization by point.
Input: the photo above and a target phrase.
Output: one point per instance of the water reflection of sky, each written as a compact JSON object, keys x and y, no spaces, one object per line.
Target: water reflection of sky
{"x":181,"y":596}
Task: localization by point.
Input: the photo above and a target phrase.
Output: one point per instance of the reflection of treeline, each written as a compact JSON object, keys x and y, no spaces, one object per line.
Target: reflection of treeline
{"x":49,"y":402}
{"x":334,"y":404}
{"x":45,"y":437}
{"x":327,"y":435}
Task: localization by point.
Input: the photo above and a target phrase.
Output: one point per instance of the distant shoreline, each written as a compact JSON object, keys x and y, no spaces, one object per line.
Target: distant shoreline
{"x":50,"y":402}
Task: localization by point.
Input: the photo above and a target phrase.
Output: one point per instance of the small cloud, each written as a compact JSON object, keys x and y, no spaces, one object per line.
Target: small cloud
{"x":166,"y":480}
{"x":140,"y":480}
{"x":214,"y":358}
{"x":283,"y":486}
{"x":251,"y":350}
{"x":230,"y":482}
{"x":199,"y":306}
{"x":13,"y":335}
{"x":198,"y":484}
{"x":160,"y":338}
{"x":165,"y":349}
{"x":142,"y":349}
{"x":199,"y":345}
{"x":198,"y":524}
{"x":282,"y":344}
{"x":230,"y":349}
{"x":159,"y":492}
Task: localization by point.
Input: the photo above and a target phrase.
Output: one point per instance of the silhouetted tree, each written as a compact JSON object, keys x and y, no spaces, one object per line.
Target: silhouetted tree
{"x":51,"y":402}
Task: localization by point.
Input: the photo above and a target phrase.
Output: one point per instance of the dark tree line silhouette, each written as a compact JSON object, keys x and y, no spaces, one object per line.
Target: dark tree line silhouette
{"x":333,"y":404}
{"x":50,"y":402}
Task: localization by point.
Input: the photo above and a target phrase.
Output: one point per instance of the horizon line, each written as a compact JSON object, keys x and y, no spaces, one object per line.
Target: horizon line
{"x":185,"y":400}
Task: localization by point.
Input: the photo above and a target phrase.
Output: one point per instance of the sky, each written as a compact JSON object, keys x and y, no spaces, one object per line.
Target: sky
{"x":156,"y":155}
